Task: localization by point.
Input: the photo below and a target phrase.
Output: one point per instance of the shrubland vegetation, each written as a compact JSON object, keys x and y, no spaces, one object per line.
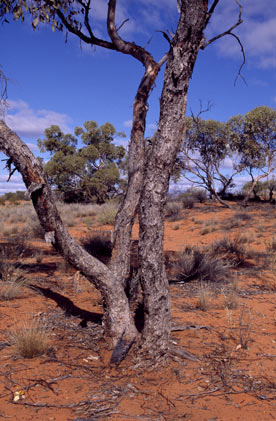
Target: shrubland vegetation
{"x":149,"y":166}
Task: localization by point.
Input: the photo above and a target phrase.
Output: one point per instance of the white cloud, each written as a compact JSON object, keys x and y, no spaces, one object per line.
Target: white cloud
{"x":257,"y":32}
{"x":127,"y":123}
{"x":32,"y":123}
{"x":13,"y":185}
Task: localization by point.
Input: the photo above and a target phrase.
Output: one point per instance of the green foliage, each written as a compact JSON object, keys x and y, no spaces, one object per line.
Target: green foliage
{"x":206,"y":147}
{"x":254,"y":136}
{"x":14,"y":197}
{"x":88,"y":173}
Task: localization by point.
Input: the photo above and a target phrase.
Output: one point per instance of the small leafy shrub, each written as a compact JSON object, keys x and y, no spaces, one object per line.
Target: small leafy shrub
{"x":231,"y":250}
{"x":107,"y":213}
{"x":31,"y":340}
{"x":98,"y":245}
{"x":194,"y":264}
{"x":188,"y":202}
{"x":173,"y":210}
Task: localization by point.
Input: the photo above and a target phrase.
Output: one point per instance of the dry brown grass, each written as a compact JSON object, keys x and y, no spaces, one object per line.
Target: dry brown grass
{"x":30,"y":340}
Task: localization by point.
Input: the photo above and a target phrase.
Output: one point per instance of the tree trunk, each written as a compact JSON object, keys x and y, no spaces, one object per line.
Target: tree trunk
{"x":125,"y":218}
{"x":160,"y":161}
{"x":117,"y":318}
{"x":148,"y":185}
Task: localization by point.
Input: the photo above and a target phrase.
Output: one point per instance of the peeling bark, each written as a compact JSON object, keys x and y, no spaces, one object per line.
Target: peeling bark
{"x":179,"y":68}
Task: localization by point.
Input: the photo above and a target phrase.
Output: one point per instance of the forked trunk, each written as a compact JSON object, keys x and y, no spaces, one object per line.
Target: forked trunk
{"x":159,"y":164}
{"x":117,"y":317}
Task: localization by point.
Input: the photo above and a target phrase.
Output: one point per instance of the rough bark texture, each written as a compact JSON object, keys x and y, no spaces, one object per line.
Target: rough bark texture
{"x":117,"y":316}
{"x":179,"y":69}
{"x":148,"y":183}
{"x":127,"y":212}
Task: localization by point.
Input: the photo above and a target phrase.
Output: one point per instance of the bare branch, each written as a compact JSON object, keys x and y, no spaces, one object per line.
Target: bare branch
{"x":3,"y":92}
{"x":229,"y":32}
{"x":243,"y":61}
{"x":122,"y":24}
{"x":212,"y":8}
{"x":92,"y":40}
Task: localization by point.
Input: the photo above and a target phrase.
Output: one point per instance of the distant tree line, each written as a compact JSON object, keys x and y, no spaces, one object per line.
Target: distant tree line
{"x":88,"y":167}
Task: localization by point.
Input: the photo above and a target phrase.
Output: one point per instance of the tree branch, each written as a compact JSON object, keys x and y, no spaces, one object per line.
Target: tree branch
{"x":229,"y":32}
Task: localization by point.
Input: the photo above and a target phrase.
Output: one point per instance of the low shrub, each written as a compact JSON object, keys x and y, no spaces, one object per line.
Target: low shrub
{"x":10,"y":290}
{"x":173,"y":210}
{"x":194,"y":264}
{"x":107,"y":213}
{"x":188,"y":202}
{"x":15,"y":247}
{"x":243,"y":216}
{"x":35,"y":230}
{"x":99,"y":244}
{"x":231,"y":223}
{"x":231,"y":250}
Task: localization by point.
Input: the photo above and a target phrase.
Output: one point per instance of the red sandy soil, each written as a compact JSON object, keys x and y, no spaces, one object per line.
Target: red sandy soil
{"x":233,"y":377}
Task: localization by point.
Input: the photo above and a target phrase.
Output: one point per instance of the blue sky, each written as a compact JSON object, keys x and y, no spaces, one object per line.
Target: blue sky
{"x":53,"y":82}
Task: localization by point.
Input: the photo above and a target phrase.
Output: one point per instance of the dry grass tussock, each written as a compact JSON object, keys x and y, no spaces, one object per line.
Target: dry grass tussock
{"x":30,"y":340}
{"x":194,"y":264}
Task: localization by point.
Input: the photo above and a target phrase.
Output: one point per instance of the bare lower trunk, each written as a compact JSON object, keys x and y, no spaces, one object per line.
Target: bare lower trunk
{"x":220,"y":200}
{"x":128,"y":210}
{"x":251,"y":190}
{"x":159,"y":164}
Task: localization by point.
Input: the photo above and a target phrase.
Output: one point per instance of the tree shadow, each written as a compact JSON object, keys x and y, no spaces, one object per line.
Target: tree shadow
{"x":69,"y":307}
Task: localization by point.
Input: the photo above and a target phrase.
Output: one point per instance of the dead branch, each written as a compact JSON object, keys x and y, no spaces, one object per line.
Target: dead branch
{"x":229,"y":32}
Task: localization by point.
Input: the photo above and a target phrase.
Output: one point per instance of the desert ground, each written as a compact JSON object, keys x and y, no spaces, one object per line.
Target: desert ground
{"x":224,"y":320}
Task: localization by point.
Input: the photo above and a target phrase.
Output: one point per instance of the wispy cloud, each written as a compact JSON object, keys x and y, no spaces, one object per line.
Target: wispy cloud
{"x":13,"y":185}
{"x":127,"y":123}
{"x":31,"y":123}
{"x":257,"y":32}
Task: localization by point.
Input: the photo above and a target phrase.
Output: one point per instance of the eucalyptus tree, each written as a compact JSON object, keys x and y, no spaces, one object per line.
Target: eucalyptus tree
{"x":149,"y":168}
{"x":86,"y":173}
{"x":254,"y":136}
{"x":206,"y":147}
